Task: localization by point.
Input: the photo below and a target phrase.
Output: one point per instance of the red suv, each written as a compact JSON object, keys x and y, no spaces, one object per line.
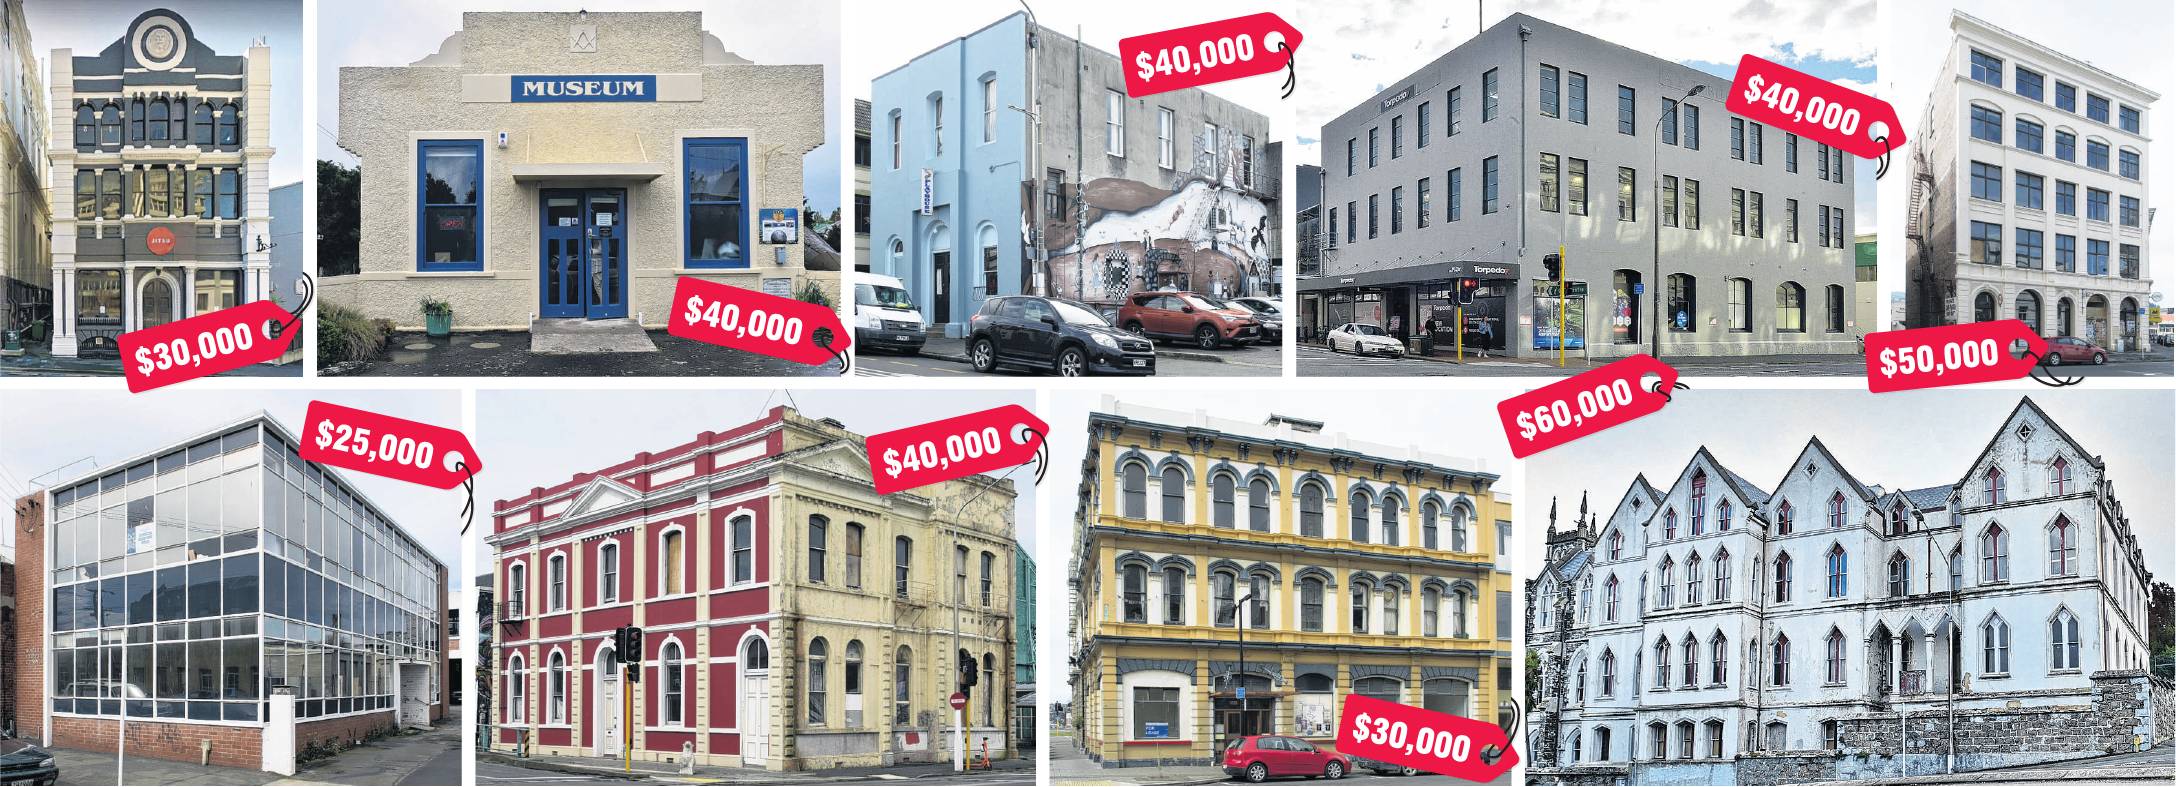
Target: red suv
{"x":1259,"y":757}
{"x":1211,"y":323}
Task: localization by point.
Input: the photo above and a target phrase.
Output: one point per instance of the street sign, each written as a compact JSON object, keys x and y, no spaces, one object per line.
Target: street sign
{"x":959,"y":700}
{"x":1242,"y":693}
{"x":1577,"y":288}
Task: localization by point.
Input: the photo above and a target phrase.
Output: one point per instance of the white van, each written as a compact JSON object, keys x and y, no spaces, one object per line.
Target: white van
{"x":885,"y":316}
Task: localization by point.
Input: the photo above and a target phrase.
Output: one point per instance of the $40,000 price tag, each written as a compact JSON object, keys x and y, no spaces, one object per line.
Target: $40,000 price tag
{"x":1973,"y":352}
{"x":1814,"y":108}
{"x":1578,"y":406}
{"x":745,"y":319}
{"x":955,"y":447}
{"x":204,"y":345}
{"x":1206,"y":53}
{"x":396,"y":448}
{"x":1419,"y":738}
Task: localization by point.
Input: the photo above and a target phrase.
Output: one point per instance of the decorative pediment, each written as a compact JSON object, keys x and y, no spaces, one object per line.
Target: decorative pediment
{"x":601,"y":494}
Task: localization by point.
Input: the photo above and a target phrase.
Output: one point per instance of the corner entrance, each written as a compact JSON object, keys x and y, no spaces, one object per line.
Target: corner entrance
{"x":415,"y":696}
{"x":583,"y":263}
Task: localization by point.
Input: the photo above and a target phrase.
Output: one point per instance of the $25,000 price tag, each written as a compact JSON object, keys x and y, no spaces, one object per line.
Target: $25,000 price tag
{"x":1973,"y":352}
{"x":1577,"y":406}
{"x":396,"y":448}
{"x":1206,"y":53}
{"x":955,"y":447}
{"x":745,"y":319}
{"x":1454,"y":746}
{"x":1814,"y":108}
{"x":204,"y":345}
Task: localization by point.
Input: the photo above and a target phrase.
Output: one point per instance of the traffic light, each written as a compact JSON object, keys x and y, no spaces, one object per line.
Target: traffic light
{"x":627,"y":642}
{"x":1466,"y":288}
{"x":968,"y":676}
{"x":1555,"y":265}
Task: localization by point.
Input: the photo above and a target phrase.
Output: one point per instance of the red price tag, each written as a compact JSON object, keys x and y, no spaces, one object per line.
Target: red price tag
{"x":204,"y":345}
{"x":1814,"y":108}
{"x":1575,"y":407}
{"x":1974,"y":352}
{"x":955,"y":447}
{"x":1207,"y":53}
{"x":1403,"y":735}
{"x":396,"y":448}
{"x":745,"y":319}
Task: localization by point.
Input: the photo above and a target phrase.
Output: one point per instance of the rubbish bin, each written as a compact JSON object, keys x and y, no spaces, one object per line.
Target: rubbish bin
{"x":1422,"y":345}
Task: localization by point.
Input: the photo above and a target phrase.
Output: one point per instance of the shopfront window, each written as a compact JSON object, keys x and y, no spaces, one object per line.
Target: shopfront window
{"x":216,"y":290}
{"x":716,"y":211}
{"x":450,"y":176}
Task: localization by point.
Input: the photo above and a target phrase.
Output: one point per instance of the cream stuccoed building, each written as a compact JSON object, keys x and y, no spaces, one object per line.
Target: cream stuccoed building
{"x":2029,"y":195}
{"x":1709,"y":631}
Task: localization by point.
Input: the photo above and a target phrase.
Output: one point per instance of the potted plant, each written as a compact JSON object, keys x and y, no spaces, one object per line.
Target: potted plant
{"x":437,"y":318}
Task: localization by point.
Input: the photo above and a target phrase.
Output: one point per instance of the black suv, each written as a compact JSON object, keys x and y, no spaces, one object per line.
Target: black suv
{"x":1058,"y":335}
{"x":22,"y":762}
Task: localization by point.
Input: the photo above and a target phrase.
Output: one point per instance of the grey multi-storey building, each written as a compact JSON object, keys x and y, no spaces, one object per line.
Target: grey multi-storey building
{"x":1533,"y":137}
{"x":2028,"y":192}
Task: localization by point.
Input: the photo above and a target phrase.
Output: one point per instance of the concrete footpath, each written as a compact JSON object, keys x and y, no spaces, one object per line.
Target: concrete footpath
{"x":717,"y":774}
{"x":432,"y":757}
{"x":1070,"y":766}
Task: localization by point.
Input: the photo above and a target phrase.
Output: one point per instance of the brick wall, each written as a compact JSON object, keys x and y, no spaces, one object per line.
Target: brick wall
{"x":343,"y":732}
{"x":231,"y":746}
{"x":29,"y":679}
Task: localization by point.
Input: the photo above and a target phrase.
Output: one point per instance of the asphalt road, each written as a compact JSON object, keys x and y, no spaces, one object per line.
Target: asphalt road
{"x":1315,"y":361}
{"x":492,"y":773}
{"x":1254,"y":361}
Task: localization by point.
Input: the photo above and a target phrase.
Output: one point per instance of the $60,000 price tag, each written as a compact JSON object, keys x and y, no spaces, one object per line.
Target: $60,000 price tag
{"x":1206,"y":53}
{"x":1578,"y":406}
{"x":745,"y":319}
{"x":955,"y":447}
{"x":1419,"y":738}
{"x":1973,"y":352}
{"x":204,"y":345}
{"x":1814,"y":108}
{"x":396,"y":448}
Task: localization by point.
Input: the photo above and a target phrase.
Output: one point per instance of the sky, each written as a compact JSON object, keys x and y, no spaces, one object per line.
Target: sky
{"x":111,"y":425}
{"x":227,"y":26}
{"x":1360,"y":47}
{"x":399,"y":32}
{"x":2143,"y":56}
{"x":1407,"y":417}
{"x":1907,"y":440}
{"x":541,"y":438}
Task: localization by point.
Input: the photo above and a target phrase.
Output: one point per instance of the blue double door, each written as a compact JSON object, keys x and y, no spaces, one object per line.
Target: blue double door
{"x":584,"y":264}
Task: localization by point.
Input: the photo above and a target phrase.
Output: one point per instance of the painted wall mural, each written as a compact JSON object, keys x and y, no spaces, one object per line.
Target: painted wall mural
{"x":1200,"y":237}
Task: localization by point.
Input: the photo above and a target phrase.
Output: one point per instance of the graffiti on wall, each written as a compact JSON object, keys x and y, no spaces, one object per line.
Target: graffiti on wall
{"x":1208,"y":232}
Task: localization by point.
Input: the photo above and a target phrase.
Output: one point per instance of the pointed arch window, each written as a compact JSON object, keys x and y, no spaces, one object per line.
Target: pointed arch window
{"x":1692,"y":661}
{"x":1223,"y":504}
{"x":1780,"y":662}
{"x":1835,"y":656}
{"x":1174,"y":494}
{"x":1258,"y":505}
{"x":1722,"y":516}
{"x":1995,"y":645}
{"x":1579,"y":686}
{"x":1995,"y":554}
{"x":2063,"y":640}
{"x":1898,"y":524}
{"x":1838,"y":571}
{"x":1956,"y":568}
{"x":1722,"y":575}
{"x":1995,"y":489}
{"x":1666,"y":595}
{"x":2059,"y":476}
{"x":1311,"y":510}
{"x":1609,"y":673}
{"x":1719,"y":659}
{"x":2062,"y":548}
{"x":1669,"y":524}
{"x":1783,"y":578}
{"x":1662,"y":663}
{"x":1609,"y":600}
{"x":1900,"y":575}
{"x":1616,"y":545}
{"x":1586,"y":600}
{"x":1357,"y":527}
{"x":1699,"y":502}
{"x":1836,"y":511}
{"x":1783,"y":519}
{"x":1133,"y":490}
{"x":1692,"y":579}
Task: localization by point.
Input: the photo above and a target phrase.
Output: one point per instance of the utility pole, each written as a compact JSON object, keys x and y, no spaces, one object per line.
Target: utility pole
{"x":1561,"y":296}
{"x":1239,"y":681}
{"x":1080,"y":162}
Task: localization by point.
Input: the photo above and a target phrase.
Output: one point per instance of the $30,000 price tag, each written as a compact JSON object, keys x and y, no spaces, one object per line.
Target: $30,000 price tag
{"x":955,"y":447}
{"x":396,"y":448}
{"x":1412,"y":737}
{"x":204,"y":345}
{"x":1206,"y":53}
{"x":1973,"y":352}
{"x":1814,"y":108}
{"x":745,"y":319}
{"x":1578,"y":406}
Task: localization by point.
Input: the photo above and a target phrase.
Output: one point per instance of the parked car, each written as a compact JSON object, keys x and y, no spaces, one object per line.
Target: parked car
{"x":885,"y":317}
{"x":1209,"y":322}
{"x":23,"y":762}
{"x":1259,"y":757}
{"x":2067,"y":349}
{"x":1061,"y":336}
{"x":1266,"y":311}
{"x":1365,"y":339}
{"x":1381,"y":768}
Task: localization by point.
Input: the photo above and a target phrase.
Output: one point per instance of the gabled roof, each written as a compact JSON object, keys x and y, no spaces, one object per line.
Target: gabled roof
{"x":1814,"y":445}
{"x":1574,"y":564}
{"x":1930,"y":497}
{"x":2023,"y":404}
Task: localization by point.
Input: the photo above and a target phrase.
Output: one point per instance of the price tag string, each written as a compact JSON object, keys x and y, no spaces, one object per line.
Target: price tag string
{"x":822,"y":338}
{"x":1489,"y":753}
{"x":468,"y":509}
{"x":1291,"y":68}
{"x":309,"y":292}
{"x":2039,"y":367}
{"x":1881,"y":167}
{"x":1659,"y":388}
{"x":1042,"y":453}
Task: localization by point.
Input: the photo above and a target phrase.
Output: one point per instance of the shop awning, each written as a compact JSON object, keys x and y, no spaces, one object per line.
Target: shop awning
{"x":616,"y":171}
{"x":1427,"y":271}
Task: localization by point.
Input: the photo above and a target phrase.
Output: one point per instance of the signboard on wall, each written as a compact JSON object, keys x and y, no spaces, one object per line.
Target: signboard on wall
{"x":780,"y":225}
{"x":929,"y":192}
{"x":611,"y":87}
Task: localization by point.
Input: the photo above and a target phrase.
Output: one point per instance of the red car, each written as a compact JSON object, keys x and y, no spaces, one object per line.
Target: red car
{"x":1259,"y":757}
{"x":2066,"y":349}
{"x":1209,"y":322}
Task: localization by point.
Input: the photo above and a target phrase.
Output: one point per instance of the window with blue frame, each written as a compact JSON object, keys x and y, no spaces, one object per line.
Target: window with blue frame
{"x":450,"y":205}
{"x":715,"y":190}
{"x":1986,"y":124}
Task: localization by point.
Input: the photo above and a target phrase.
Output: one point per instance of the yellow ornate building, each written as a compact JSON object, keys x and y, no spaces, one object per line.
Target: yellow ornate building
{"x":1343,"y":567}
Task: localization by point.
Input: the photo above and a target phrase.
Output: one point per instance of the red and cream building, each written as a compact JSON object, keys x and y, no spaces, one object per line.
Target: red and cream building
{"x":793,"y":618}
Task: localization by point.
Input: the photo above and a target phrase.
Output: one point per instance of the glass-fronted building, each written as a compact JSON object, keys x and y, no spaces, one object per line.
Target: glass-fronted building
{"x":189,"y":582}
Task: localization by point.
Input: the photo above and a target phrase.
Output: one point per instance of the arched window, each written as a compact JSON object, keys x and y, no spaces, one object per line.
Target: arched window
{"x":136,"y":120}
{"x":1431,"y":605}
{"x":1361,"y":590}
{"x":200,"y":123}
{"x":1900,"y":575}
{"x":2028,"y":309}
{"x":1658,"y":736}
{"x":1579,"y":686}
{"x":671,"y":579}
{"x":1692,"y":578}
{"x":1461,"y":523}
{"x":1684,"y":300}
{"x":2062,"y":548}
{"x":1783,"y":518}
{"x":819,"y":653}
{"x":1133,"y":490}
{"x":1174,"y":596}
{"x":1135,"y":588}
{"x":1576,"y":753}
{"x":1718,"y":659}
{"x":1222,"y":587}
{"x":1783,"y":578}
{"x":1995,"y":645}
{"x":2059,"y":477}
{"x":990,"y":690}
{"x":1983,"y":305}
{"x":1609,"y":600}
{"x":1722,"y":575}
{"x":1669,"y":524}
{"x":109,"y":124}
{"x":1609,"y":673}
{"x":1310,"y":604}
{"x":1390,"y":521}
{"x":1258,"y":608}
{"x":854,"y":532}
{"x":517,"y":690}
{"x":1994,"y":554}
{"x":1258,"y":505}
{"x":819,"y":543}
{"x":1836,"y":511}
{"x":157,"y":122}
{"x":1684,"y":740}
{"x":853,"y":683}
{"x":1547,"y":602}
{"x":2063,"y":640}
{"x":1782,"y":661}
{"x":1311,"y":510}
{"x":1461,"y":615}
{"x":1223,"y":505}
{"x":1691,"y":671}
{"x":1995,"y":491}
{"x":1174,"y":493}
{"x":1428,"y":512}
{"x":1616,"y":545}
{"x":1586,"y":599}
{"x":1662,"y":663}
{"x":1899,"y":524}
{"x":1391,"y":594}
{"x":1838,"y":564}
{"x":986,"y":239}
{"x":1358,"y":526}
{"x":1722,"y":515}
{"x":674,"y":712}
{"x":1790,"y":308}
{"x":1666,"y":590}
{"x":1601,"y":744}
{"x":903,"y":687}
{"x":230,"y":124}
{"x":1956,"y":568}
{"x":517,"y":590}
{"x":1835,"y":656}
{"x":556,"y":588}
{"x":608,"y":572}
{"x":555,"y":688}
{"x":1714,"y":728}
{"x":86,"y":126}
{"x":1699,"y":503}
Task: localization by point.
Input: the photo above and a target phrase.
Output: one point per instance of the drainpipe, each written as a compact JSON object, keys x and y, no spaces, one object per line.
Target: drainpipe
{"x":1525,"y":34}
{"x":1080,"y":162}
{"x":1033,"y":176}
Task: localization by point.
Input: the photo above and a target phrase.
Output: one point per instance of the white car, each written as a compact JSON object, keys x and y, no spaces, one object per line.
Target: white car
{"x":1365,"y":339}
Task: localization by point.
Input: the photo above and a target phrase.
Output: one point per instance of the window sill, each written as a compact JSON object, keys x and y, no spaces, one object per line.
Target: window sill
{"x":454,"y":272}
{"x":692,"y":267}
{"x":1155,"y":743}
{"x":1994,"y":675}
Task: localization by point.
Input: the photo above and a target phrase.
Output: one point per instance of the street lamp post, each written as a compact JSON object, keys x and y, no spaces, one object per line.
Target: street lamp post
{"x":1239,"y":682}
{"x":1654,"y":305}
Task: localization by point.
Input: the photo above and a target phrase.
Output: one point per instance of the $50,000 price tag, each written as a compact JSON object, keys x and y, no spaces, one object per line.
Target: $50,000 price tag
{"x":396,"y":448}
{"x":955,"y":447}
{"x":1814,"y":108}
{"x":1974,"y":352}
{"x":204,"y":345}
{"x":1590,"y":402}
{"x":744,"y":319}
{"x":1206,"y":53}
{"x":1403,"y":735}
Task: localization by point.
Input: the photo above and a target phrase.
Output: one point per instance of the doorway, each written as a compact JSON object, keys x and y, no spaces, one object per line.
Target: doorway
{"x":610,"y":707}
{"x":583,"y":260}
{"x":158,"y":302}
{"x":415,"y":700}
{"x":941,"y":299}
{"x":754,"y":717}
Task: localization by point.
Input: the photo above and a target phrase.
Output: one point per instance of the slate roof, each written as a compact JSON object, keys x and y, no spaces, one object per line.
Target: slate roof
{"x":1930,"y":497}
